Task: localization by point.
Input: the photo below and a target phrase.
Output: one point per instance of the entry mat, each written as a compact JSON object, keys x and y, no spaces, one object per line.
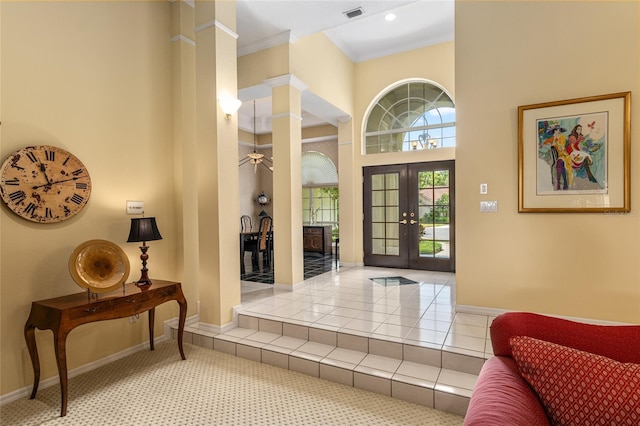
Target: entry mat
{"x":391,"y":281}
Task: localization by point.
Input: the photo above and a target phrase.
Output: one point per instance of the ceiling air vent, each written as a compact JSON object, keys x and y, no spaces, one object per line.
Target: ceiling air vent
{"x":353,"y":13}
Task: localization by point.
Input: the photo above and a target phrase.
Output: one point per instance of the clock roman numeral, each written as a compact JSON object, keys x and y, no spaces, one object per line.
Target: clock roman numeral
{"x":64,"y":163}
{"x":47,"y":213}
{"x":13,"y":181}
{"x":81,"y":185}
{"x":77,"y":172}
{"x":17,"y":196}
{"x":78,"y":199}
{"x":50,"y":155}
{"x":32,"y":157}
{"x":31,"y":209}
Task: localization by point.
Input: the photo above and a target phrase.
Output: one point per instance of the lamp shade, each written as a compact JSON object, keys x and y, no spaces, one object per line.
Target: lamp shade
{"x":144,"y":229}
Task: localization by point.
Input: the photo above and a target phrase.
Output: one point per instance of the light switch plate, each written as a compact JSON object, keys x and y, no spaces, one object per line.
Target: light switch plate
{"x":135,"y":207}
{"x":488,"y":206}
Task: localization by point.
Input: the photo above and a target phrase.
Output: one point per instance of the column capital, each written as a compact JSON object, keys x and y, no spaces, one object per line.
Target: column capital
{"x":286,"y":79}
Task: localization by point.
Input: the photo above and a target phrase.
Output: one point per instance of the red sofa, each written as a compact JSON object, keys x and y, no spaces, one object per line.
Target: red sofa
{"x":503,"y":397}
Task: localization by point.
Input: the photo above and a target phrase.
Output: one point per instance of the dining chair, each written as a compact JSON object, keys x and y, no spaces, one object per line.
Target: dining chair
{"x":263,"y":244}
{"x":245,"y":223}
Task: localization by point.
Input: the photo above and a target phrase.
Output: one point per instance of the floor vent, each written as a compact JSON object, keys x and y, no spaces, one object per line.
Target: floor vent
{"x":353,"y":13}
{"x":391,"y":281}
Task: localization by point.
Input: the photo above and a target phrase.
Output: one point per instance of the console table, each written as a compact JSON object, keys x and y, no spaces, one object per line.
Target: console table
{"x":317,"y":239}
{"x":63,"y":314}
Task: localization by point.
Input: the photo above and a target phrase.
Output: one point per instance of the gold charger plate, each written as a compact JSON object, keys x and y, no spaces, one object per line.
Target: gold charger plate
{"x":99,"y":265}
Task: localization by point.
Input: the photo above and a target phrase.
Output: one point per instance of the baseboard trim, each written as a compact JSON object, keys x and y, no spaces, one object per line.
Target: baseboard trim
{"x":55,"y":380}
{"x":492,"y":312}
{"x":479,"y":310}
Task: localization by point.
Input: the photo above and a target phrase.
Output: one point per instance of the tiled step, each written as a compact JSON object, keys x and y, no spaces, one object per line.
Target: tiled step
{"x":420,"y":374}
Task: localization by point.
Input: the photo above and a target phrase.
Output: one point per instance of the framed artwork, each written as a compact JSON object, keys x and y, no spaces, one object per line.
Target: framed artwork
{"x":574,"y":155}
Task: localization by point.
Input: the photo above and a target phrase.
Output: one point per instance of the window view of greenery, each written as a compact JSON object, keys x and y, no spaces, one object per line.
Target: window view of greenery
{"x":320,"y":207}
{"x":433,"y":187}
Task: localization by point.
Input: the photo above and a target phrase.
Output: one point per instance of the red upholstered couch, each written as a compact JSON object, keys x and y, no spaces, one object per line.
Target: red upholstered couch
{"x":502,"y":397}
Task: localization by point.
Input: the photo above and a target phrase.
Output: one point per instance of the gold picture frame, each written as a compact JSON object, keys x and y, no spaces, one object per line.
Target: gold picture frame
{"x":574,"y":155}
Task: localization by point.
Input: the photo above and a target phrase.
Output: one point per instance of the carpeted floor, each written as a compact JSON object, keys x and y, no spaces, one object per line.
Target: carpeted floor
{"x":211,"y":388}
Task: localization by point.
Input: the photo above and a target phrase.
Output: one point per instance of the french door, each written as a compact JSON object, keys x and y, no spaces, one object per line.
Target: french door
{"x":409,"y":216}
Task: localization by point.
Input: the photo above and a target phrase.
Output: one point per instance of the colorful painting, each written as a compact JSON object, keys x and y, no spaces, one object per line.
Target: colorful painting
{"x":575,"y":151}
{"x":574,"y":155}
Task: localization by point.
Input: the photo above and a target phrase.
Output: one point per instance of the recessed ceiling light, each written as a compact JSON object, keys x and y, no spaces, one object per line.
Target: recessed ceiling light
{"x":390,"y":17}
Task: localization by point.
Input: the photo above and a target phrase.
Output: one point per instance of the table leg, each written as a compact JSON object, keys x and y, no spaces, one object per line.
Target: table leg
{"x":60,"y":340}
{"x":30,"y":338}
{"x":152,"y":317}
{"x":242,"y":271}
{"x":181,"y":321}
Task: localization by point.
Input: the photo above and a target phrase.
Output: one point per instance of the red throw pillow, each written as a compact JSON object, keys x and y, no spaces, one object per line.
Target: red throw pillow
{"x":576,"y":387}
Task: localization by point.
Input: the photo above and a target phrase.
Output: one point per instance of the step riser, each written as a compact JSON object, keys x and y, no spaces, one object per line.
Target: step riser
{"x":434,"y":356}
{"x":428,"y":393}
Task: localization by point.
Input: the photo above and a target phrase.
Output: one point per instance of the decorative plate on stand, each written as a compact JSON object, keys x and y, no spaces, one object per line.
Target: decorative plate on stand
{"x":99,"y":265}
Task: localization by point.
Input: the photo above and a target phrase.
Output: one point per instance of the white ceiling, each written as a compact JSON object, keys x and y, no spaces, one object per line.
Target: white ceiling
{"x":266,"y":23}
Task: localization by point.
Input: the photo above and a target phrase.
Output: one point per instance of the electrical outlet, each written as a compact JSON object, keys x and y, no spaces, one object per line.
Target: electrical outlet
{"x":483,"y":188}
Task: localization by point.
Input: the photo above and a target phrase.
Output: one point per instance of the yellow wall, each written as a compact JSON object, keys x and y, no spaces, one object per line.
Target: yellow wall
{"x":92,"y":78}
{"x":520,"y":53}
{"x":315,"y":57}
{"x":256,"y":67}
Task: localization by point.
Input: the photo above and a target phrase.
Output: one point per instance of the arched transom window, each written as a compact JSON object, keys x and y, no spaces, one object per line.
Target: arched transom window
{"x":412,"y":116}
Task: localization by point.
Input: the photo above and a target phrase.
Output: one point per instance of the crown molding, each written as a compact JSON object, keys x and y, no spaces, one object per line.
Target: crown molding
{"x":217,"y":24}
{"x":183,"y":38}
{"x":285,"y":37}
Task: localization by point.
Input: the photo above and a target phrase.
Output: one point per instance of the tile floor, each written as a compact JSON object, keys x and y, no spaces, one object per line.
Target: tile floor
{"x":313,"y":265}
{"x":398,"y":336}
{"x":349,"y":300}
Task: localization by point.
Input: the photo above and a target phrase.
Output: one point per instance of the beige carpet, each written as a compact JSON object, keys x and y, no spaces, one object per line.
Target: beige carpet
{"x":211,"y":388}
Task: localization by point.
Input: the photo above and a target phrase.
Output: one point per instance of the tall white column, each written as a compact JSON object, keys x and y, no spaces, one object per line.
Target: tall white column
{"x":287,"y":179}
{"x":348,"y":186}
{"x":216,"y":159}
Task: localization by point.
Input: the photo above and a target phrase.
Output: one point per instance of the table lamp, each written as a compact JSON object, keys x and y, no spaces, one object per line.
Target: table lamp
{"x":142,"y":230}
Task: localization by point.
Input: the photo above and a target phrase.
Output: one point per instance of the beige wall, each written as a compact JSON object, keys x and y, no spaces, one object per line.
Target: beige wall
{"x":92,"y":78}
{"x":315,"y":57}
{"x":519,"y":53}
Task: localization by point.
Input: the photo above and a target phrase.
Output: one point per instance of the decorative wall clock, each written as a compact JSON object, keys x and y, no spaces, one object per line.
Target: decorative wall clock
{"x":44,"y":184}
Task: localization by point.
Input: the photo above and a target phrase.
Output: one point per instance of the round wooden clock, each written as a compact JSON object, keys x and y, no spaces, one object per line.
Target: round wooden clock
{"x":44,"y":184}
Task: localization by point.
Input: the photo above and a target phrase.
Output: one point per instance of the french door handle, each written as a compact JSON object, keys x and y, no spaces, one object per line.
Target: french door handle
{"x":404,"y":221}
{"x":413,"y":222}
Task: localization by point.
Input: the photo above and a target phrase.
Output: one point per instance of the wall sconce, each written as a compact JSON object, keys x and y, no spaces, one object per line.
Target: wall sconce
{"x":229,"y":106}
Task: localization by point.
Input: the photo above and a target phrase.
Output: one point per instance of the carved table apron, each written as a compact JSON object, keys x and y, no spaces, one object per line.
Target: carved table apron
{"x":63,"y":314}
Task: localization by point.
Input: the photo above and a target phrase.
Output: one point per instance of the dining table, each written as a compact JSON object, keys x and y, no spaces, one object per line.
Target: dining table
{"x":251,"y":236}
{"x":244,"y":237}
